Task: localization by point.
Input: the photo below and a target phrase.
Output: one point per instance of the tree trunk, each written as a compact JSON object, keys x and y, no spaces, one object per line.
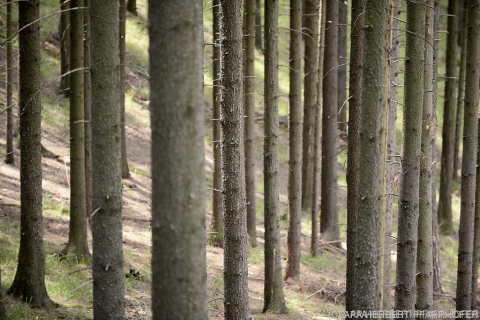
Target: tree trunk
{"x":295,"y":143}
{"x":88,"y":115}
{"x":461,"y":86}
{"x":29,"y":281}
{"x":448,"y":133}
{"x":3,"y":310}
{"x":356,"y":59}
{"x":122,"y":29}
{"x":274,"y":299}
{"x":179,"y":279}
{"x":77,"y":239}
{"x":366,"y":263}
{"x":107,"y":265}
{"x":216,"y":228}
{"x":424,"y":252}
{"x":234,"y":203}
{"x":408,"y":202}
{"x":467,"y":209}
{"x":342,"y":67}
{"x":9,"y":88}
{"x":258,"y":26}
{"x":329,"y":215}
{"x":476,"y":236}
{"x":310,"y":97}
{"x":132,"y":6}
{"x":64,"y":35}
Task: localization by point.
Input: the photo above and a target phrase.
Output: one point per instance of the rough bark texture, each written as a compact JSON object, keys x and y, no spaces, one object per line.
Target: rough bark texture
{"x":64,"y":35}
{"x":410,"y":172}
{"x":249,"y":111}
{"x":342,"y":67}
{"x":448,"y":133}
{"x":179,"y":279}
{"x":328,"y":208}
{"x":258,"y":26}
{"x":274,"y":299}
{"x":122,"y":30}
{"x":107,"y":266}
{"x":77,"y":238}
{"x":310,"y":97}
{"x":216,"y":237}
{"x":88,"y":114}
{"x":476,"y":237}
{"x":29,"y":281}
{"x":132,"y":6}
{"x":295,"y":144}
{"x":355,"y":103}
{"x":3,"y":310}
{"x":234,"y":203}
{"x":366,"y":246}
{"x":9,"y":88}
{"x":424,"y":250}
{"x":467,"y":209}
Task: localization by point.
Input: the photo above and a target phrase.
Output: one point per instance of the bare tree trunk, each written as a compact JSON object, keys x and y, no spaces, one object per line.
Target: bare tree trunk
{"x":88,"y":115}
{"x":122,"y":29}
{"x":132,"y":6}
{"x":258,"y":26}
{"x":64,"y":35}
{"x":9,"y":88}
{"x":342,"y":67}
{"x":467,"y":209}
{"x":476,"y":235}
{"x":179,"y":279}
{"x":295,"y":143}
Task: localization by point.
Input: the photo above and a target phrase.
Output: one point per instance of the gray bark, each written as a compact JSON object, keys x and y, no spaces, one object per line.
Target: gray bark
{"x":122,"y":33}
{"x":258,"y":26}
{"x":342,"y":67}
{"x":9,"y":88}
{"x":64,"y":35}
{"x":88,"y":115}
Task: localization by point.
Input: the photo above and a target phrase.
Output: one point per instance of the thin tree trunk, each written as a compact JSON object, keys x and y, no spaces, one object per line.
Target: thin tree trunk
{"x":448,"y":133}
{"x":77,"y":238}
{"x":132,"y":6}
{"x":122,"y":29}
{"x":29,"y":281}
{"x":179,"y":279}
{"x":461,"y":86}
{"x":408,"y":202}
{"x":234,"y":203}
{"x":258,"y":26}
{"x":295,"y":144}
{"x":342,"y":67}
{"x":9,"y":88}
{"x":107,"y":265}
{"x":476,"y":236}
{"x":310,"y":96}
{"x":88,"y":115}
{"x":356,"y":59}
{"x":424,"y":252}
{"x":467,"y":209}
{"x":274,"y":299}
{"x":64,"y":35}
{"x":216,"y":229}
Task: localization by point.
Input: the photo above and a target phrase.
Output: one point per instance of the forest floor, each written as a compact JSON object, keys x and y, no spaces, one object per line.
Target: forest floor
{"x":321,"y":288}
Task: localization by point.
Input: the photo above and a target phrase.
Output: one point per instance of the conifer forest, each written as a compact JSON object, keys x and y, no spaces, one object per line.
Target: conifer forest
{"x":239,"y":159}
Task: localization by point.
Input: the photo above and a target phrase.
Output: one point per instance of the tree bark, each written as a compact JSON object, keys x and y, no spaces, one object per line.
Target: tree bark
{"x":107,"y":266}
{"x":234,"y":203}
{"x":258,"y":26}
{"x":132,"y":6}
{"x":342,"y":67}
{"x":408,"y":202}
{"x":179,"y":279}
{"x":64,"y":44}
{"x":29,"y":281}
{"x":295,"y":144}
{"x":9,"y":88}
{"x":274,"y":299}
{"x":122,"y":31}
{"x":366,"y":247}
{"x":87,"y":91}
{"x":3,"y":309}
{"x":467,"y":209}
{"x":448,"y":133}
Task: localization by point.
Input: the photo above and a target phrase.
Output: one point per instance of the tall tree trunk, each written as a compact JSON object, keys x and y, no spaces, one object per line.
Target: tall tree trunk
{"x":461,"y":86}
{"x":424,"y":252}
{"x":9,"y":88}
{"x":342,"y":67}
{"x":329,"y":214}
{"x":249,"y":109}
{"x":179,"y":279}
{"x":310,"y":96}
{"x":122,"y":29}
{"x":356,"y":59}
{"x":3,"y":309}
{"x":87,"y":91}
{"x":77,"y":238}
{"x":410,"y":173}
{"x":295,"y":143}
{"x":234,"y":204}
{"x":274,"y":299}
{"x":476,"y":236}
{"x":107,"y":265}
{"x":216,"y":228}
{"x":132,"y":6}
{"x":64,"y":35}
{"x":366,"y":263}
{"x":467,"y":209}
{"x":258,"y":26}
{"x":448,"y":133}
{"x":29,"y":281}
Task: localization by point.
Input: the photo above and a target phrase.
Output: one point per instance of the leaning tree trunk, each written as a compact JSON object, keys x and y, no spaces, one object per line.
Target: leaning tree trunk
{"x":9,"y":88}
{"x":77,"y":238}
{"x":448,"y":133}
{"x":107,"y":265}
{"x":366,"y":246}
{"x":122,"y":29}
{"x":64,"y":35}
{"x":234,"y":204}
{"x":29,"y":281}
{"x":295,"y":144}
{"x":179,"y":279}
{"x":408,"y":202}
{"x":342,"y":67}
{"x":274,"y":299}
{"x":87,"y":91}
{"x":470,"y":127}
